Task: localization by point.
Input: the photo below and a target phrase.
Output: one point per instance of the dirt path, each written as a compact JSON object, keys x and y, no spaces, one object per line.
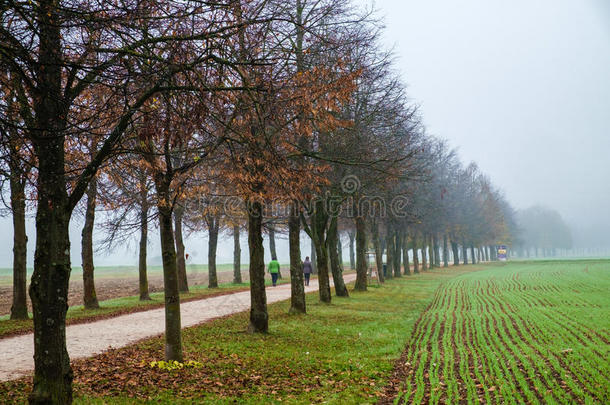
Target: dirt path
{"x":85,"y":340}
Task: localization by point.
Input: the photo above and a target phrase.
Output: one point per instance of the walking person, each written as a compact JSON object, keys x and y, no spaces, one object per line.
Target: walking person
{"x":307,"y":270}
{"x":274,"y":270}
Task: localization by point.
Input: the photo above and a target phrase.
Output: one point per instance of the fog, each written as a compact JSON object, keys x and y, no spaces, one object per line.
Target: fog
{"x":521,"y":87}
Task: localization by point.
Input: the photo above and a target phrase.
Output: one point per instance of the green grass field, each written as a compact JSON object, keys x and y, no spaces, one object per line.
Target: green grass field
{"x":521,"y":332}
{"x":6,"y":274}
{"x":534,"y":332}
{"x":341,"y":353}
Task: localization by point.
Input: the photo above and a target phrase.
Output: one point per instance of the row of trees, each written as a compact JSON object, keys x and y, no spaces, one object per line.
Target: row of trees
{"x":257,"y":115}
{"x":542,"y":232}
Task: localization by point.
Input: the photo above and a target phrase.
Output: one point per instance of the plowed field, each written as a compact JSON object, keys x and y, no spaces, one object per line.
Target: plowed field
{"x":535,"y":332}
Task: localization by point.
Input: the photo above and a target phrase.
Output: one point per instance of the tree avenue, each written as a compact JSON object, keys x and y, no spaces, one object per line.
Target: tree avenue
{"x":165,"y":114}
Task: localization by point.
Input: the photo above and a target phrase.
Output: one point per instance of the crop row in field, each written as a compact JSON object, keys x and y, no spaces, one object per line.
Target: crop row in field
{"x":519,"y":333}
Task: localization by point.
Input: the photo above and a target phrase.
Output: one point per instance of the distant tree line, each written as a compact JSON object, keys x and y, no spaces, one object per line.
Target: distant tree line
{"x":542,"y":233}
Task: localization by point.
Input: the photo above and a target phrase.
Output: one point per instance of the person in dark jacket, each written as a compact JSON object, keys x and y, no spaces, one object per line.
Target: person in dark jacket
{"x":307,"y":270}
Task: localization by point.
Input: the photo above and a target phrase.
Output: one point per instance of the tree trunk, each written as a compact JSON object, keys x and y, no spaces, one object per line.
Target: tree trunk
{"x":49,"y":286}
{"x":430,"y":252}
{"x":445,"y":251}
{"x":415,"y":255}
{"x":389,"y":256}
{"x":173,"y":338}
{"x":183,"y":284}
{"x":314,"y":260}
{"x":213,"y":227}
{"x":340,"y":251}
{"x":142,"y":267}
{"x":361,"y":270}
{"x":259,"y":318}
{"x":378,"y":250}
{"x":397,"y":251}
{"x":405,"y":254}
{"x":352,"y":257}
{"x":318,"y":224}
{"x":89,"y":295}
{"x":437,"y":253}
{"x":473,"y":257}
{"x":456,"y":253}
{"x":18,"y":176}
{"x":297,"y":290}
{"x":464,"y":253}
{"x":424,"y":259}
{"x":272,"y":242}
{"x":340,"y":288}
{"x":19,"y":309}
{"x":236,"y":256}
{"x":272,"y":247}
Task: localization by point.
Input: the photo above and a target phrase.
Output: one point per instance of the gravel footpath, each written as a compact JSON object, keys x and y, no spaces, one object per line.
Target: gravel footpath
{"x":86,"y":340}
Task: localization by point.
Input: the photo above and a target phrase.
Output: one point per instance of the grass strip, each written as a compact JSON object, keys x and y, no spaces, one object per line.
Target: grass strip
{"x":340,"y":353}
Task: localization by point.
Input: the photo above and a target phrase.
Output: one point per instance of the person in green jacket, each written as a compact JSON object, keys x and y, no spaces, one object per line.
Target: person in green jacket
{"x":274,"y":270}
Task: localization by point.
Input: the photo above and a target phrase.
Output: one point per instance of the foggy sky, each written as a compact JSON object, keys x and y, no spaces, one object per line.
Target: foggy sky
{"x":522,"y":87}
